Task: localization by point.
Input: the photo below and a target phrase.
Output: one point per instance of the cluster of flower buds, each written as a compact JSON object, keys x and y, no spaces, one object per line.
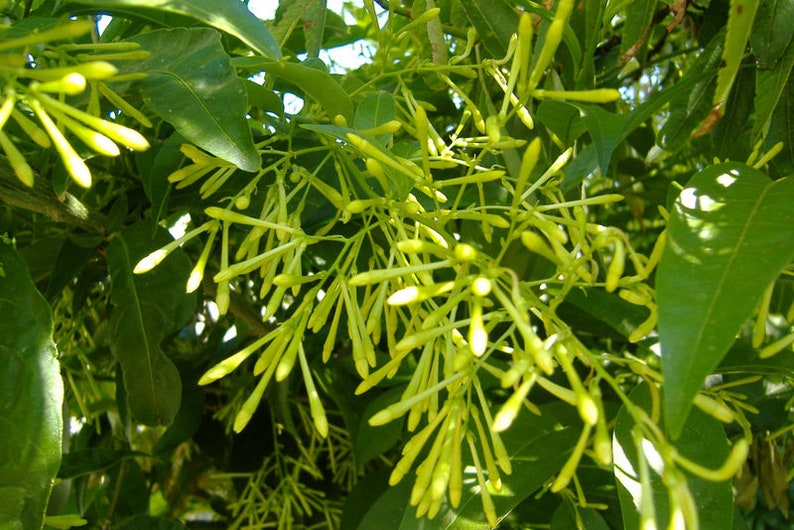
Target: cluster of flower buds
{"x":39,"y":86}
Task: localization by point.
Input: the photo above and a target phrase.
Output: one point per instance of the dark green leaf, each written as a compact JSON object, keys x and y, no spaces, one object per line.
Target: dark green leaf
{"x":772,"y":31}
{"x":147,"y":307}
{"x":607,"y":131}
{"x":537,"y":451}
{"x":704,"y":442}
{"x":371,"y":442}
{"x":639,"y":15}
{"x":781,"y":129}
{"x":562,"y":118}
{"x":770,"y":85}
{"x":31,"y":397}
{"x":232,"y":17}
{"x":596,"y":311}
{"x":495,"y":21}
{"x":91,"y":460}
{"x":192,"y":85}
{"x":319,"y":85}
{"x":149,"y":522}
{"x":688,"y":111}
{"x":729,"y":235}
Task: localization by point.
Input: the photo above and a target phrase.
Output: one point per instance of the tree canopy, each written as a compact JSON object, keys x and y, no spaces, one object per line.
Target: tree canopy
{"x":525,"y":265}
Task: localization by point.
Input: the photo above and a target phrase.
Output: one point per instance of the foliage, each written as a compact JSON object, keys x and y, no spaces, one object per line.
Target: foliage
{"x":528,"y":264}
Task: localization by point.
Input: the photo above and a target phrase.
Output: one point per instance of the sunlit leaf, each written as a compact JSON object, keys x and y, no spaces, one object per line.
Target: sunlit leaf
{"x":192,"y":85}
{"x":232,"y":17}
{"x":730,"y":233}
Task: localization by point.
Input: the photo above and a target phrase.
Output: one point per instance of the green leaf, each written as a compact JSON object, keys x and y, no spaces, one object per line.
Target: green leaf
{"x":314,"y":27}
{"x":319,"y":85}
{"x":232,"y":17}
{"x":769,"y":86}
{"x":92,"y":459}
{"x":772,"y":31}
{"x":31,"y":397}
{"x":740,"y":23}
{"x":149,"y":522}
{"x":704,"y":442}
{"x":561,"y":118}
{"x":147,"y":307}
{"x":371,"y":442}
{"x":729,"y":235}
{"x":374,"y":110}
{"x":639,"y":16}
{"x":607,"y":131}
{"x":537,"y":451}
{"x":192,"y":85}
{"x":688,"y":111}
{"x":495,"y":21}
{"x":781,"y":129}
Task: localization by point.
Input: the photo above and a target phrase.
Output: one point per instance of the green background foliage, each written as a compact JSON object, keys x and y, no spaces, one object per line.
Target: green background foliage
{"x":524,"y":264}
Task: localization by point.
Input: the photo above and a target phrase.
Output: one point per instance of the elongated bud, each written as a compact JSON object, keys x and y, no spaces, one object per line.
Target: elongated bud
{"x":714,"y":408}
{"x":599,"y":95}
{"x":21,"y":168}
{"x":71,"y":84}
{"x":71,"y":160}
{"x":776,"y":347}
{"x":616,"y":266}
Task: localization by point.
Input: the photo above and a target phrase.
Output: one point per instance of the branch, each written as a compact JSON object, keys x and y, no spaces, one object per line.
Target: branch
{"x":42,"y":199}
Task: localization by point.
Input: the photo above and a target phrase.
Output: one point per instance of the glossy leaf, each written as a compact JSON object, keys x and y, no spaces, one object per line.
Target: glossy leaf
{"x":730,"y":233}
{"x":232,"y":17}
{"x":319,"y":85}
{"x":772,"y":31}
{"x":703,"y":441}
{"x":192,"y":84}
{"x":147,"y":307}
{"x":31,"y":397}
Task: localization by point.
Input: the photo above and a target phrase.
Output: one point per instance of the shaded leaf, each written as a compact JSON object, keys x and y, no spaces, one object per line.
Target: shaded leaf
{"x":781,"y":129}
{"x":562,"y":118}
{"x":639,"y":15}
{"x":772,"y":31}
{"x":192,"y":85}
{"x":149,"y":522}
{"x":495,"y":21}
{"x":730,"y":233}
{"x":770,"y":85}
{"x":146,"y":308}
{"x":371,"y":442}
{"x":704,"y":442}
{"x":31,"y":397}
{"x":91,"y":460}
{"x":688,"y":110}
{"x":537,"y":451}
{"x":232,"y":17}
{"x":606,"y":129}
{"x":319,"y":85}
